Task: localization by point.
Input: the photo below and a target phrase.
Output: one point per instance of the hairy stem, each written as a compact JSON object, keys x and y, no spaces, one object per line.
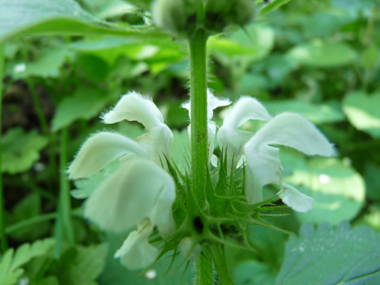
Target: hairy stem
{"x":198,"y":97}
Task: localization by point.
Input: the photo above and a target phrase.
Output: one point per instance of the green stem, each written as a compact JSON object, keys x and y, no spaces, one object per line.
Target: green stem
{"x":221,"y":266}
{"x":199,"y":145}
{"x":4,"y":242}
{"x":198,"y":97}
{"x":64,"y":225}
{"x":204,"y":272}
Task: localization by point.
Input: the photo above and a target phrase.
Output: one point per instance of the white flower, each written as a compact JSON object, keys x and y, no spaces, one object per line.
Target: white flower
{"x":263,"y":164}
{"x":139,"y":192}
{"x":230,"y":138}
{"x":212,"y":103}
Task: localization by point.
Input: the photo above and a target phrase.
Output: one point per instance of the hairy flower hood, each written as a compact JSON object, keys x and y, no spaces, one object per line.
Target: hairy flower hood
{"x":140,"y":192}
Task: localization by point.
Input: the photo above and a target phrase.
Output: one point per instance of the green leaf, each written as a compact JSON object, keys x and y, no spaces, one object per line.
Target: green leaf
{"x":51,"y":280}
{"x":29,"y":207}
{"x":332,"y":256}
{"x":322,"y":54}
{"x":26,"y":252}
{"x":317,"y":113}
{"x":338,"y":190}
{"x":81,"y":265}
{"x":87,"y":102}
{"x":363,"y":111}
{"x":271,"y":6}
{"x":20,"y":150}
{"x":46,"y":65}
{"x":372,"y":180}
{"x":252,"y":45}
{"x":370,"y":57}
{"x":10,"y":264}
{"x":253,"y":272}
{"x":60,"y":17}
{"x":145,"y":4}
{"x":116,"y":274}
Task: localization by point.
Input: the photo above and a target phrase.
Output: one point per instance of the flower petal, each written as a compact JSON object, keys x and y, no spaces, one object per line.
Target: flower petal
{"x":295,"y":199}
{"x":138,"y":189}
{"x":158,"y":142}
{"x":262,"y":167}
{"x":136,"y":251}
{"x":135,"y":107}
{"x":247,"y":108}
{"x":294,"y":131}
{"x":101,"y":149}
{"x":212,"y":103}
{"x":232,"y":139}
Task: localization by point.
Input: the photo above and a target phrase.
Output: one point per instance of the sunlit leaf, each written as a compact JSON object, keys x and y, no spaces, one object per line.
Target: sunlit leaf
{"x":60,"y":17}
{"x":363,"y":111}
{"x":330,"y":255}
{"x":317,"y":113}
{"x":46,"y":65}
{"x":322,"y":54}
{"x":20,"y":150}
{"x":338,"y":190}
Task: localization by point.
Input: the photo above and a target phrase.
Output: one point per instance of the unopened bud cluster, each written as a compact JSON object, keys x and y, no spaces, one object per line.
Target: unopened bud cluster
{"x":181,"y":17}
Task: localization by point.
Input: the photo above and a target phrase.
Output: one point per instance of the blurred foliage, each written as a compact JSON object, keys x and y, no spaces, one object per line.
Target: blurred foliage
{"x":320,"y":59}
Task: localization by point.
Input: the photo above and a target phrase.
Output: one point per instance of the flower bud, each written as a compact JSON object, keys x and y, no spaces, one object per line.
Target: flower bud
{"x":221,"y":13}
{"x":177,"y":16}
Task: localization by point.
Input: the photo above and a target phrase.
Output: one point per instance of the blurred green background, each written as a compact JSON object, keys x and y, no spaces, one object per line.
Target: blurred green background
{"x":319,"y":58}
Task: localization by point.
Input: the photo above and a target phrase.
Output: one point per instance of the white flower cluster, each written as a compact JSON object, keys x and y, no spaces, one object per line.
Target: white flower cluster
{"x":141,"y":192}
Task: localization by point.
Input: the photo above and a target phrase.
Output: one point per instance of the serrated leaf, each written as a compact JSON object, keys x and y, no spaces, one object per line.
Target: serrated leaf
{"x":322,"y":54}
{"x":86,"y":103}
{"x":20,"y":150}
{"x":60,"y":17}
{"x":10,"y":264}
{"x":26,"y":252}
{"x":363,"y":111}
{"x":338,"y":190}
{"x":332,"y":256}
{"x":317,"y":113}
{"x":271,"y":6}
{"x":82,"y":265}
